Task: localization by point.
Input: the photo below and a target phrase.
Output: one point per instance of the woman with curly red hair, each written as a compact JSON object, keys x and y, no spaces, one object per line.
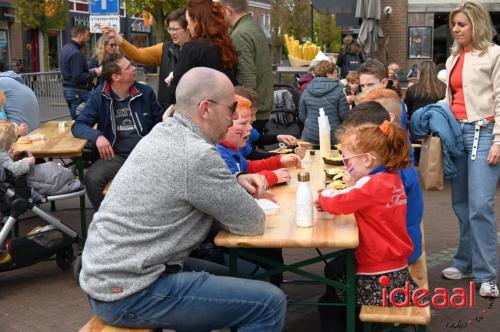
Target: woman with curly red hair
{"x":210,"y":46}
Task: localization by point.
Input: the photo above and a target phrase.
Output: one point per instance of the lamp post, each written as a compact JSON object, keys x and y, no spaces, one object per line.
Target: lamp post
{"x":312,"y":21}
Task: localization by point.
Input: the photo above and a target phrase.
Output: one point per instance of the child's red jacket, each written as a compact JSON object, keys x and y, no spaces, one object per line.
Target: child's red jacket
{"x":378,"y":202}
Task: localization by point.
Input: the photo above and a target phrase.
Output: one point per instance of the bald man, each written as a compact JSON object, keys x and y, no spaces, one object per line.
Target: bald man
{"x":160,"y":207}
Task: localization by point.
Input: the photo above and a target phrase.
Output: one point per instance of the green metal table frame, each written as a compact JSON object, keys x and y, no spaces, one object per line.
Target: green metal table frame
{"x":296,"y":268}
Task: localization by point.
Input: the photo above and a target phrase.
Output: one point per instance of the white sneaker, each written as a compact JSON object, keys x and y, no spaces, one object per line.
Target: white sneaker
{"x":454,"y":274}
{"x":488,"y":289}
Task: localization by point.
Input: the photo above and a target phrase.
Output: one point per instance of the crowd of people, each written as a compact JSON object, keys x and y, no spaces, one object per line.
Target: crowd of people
{"x":188,"y":161}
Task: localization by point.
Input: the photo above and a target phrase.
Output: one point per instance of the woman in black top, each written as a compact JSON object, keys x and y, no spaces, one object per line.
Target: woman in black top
{"x":427,"y":90}
{"x":211,"y":46}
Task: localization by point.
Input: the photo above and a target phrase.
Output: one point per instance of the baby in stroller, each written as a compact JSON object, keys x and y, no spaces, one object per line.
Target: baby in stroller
{"x":46,"y":179}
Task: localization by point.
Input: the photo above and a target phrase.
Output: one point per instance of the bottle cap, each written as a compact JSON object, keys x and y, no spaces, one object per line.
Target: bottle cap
{"x":303,"y":176}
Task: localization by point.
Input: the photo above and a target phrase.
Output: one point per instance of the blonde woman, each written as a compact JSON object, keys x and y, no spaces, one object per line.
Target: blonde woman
{"x":104,"y":47}
{"x":473,"y":93}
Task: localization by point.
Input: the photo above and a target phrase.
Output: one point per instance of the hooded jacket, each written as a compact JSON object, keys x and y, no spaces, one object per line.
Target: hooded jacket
{"x":328,"y":94}
{"x":146,"y":113}
{"x":437,"y":118}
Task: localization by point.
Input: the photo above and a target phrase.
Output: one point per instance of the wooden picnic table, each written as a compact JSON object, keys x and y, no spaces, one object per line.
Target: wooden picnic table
{"x":56,"y":142}
{"x":333,"y":232}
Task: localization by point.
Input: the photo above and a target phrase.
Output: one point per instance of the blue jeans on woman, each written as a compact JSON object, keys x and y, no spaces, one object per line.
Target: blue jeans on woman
{"x":199,"y":301}
{"x":473,"y":199}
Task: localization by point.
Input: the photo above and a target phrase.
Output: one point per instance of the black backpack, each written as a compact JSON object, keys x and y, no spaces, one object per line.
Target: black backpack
{"x":351,"y":63}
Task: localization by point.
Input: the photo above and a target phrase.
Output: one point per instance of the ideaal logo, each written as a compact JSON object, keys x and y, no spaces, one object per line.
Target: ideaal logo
{"x":422,"y":297}
{"x":439,"y":299}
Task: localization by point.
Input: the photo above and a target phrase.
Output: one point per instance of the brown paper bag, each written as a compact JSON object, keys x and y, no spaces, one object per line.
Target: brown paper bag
{"x":431,"y":163}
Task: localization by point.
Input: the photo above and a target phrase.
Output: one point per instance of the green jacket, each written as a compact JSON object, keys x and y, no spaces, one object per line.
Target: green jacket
{"x":255,"y":69}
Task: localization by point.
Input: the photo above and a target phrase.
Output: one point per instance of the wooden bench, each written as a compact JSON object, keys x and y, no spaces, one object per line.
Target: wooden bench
{"x":412,"y":315}
{"x":97,"y":325}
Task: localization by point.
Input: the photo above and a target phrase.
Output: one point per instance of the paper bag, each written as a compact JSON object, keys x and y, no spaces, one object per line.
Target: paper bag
{"x":431,"y":163}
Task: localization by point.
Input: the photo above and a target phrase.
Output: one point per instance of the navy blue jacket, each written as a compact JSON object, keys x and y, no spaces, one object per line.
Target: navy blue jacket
{"x":74,"y":70}
{"x":146,"y":113}
{"x":327,"y":93}
{"x":437,"y":118}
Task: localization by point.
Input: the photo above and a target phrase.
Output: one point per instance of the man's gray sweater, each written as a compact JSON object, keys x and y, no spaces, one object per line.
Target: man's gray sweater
{"x":159,"y":208}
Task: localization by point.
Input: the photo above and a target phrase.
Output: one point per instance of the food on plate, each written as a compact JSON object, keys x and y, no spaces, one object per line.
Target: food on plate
{"x":285,"y":151}
{"x":337,"y":184}
{"x":332,"y":173}
{"x":24,"y":140}
{"x":334,"y":160}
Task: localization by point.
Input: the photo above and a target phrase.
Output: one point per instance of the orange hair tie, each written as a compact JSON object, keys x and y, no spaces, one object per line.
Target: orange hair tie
{"x":384,"y":127}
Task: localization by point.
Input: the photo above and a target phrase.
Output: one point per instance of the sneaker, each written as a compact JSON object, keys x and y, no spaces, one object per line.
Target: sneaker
{"x":454,"y":274}
{"x":488,"y":289}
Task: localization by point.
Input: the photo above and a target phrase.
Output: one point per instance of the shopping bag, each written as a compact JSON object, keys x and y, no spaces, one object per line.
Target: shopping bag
{"x":431,"y":163}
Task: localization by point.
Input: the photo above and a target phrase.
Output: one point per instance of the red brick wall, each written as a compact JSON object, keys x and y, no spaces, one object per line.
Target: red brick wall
{"x":396,"y":27}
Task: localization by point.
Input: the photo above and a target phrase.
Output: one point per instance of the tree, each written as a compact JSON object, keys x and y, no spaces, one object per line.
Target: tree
{"x":300,"y":20}
{"x":159,"y":9}
{"x":42,"y":15}
{"x":329,"y":35}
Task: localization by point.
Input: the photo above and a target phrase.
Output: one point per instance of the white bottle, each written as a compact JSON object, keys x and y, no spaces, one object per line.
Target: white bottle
{"x":324,"y":134}
{"x":304,"y":204}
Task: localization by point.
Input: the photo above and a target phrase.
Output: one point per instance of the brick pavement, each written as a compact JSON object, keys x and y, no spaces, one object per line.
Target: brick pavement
{"x":42,"y":298}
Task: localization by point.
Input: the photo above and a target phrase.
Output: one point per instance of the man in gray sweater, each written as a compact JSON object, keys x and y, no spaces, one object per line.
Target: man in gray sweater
{"x":160,"y":207}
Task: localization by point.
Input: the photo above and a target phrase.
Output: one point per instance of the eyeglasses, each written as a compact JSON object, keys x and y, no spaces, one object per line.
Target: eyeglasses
{"x":112,"y":45}
{"x":172,"y":30}
{"x":345,"y":160}
{"x":232,"y":107}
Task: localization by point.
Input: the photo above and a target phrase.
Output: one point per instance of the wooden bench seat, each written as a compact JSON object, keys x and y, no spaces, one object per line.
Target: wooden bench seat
{"x":411,"y":315}
{"x":97,"y":325}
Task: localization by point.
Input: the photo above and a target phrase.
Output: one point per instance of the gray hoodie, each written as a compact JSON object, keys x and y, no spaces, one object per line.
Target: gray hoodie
{"x":159,"y":208}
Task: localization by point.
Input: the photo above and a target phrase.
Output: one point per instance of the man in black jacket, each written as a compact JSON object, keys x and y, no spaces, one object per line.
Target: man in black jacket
{"x":124,"y":111}
{"x":74,"y":70}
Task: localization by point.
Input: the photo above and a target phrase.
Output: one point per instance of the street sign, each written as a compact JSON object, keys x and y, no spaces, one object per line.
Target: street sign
{"x":111,"y":20}
{"x":104,"y":6}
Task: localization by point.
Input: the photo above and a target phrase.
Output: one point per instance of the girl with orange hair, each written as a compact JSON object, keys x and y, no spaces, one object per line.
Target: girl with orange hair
{"x":210,"y":46}
{"x":372,"y":156}
{"x":274,"y":169}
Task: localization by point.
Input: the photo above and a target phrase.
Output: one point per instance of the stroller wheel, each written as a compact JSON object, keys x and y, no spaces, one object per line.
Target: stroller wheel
{"x":64,"y":257}
{"x":77,"y":266}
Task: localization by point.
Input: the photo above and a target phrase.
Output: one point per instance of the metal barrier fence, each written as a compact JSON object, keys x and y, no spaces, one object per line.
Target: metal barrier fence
{"x":49,"y":93}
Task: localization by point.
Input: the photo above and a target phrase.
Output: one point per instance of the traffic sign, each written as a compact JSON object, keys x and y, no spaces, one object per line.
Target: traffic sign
{"x":111,"y":20}
{"x":104,"y":6}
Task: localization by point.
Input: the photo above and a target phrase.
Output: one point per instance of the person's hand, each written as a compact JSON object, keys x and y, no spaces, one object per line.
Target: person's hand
{"x":290,"y":160}
{"x":110,"y":32}
{"x":97,"y":70}
{"x":283,"y":175}
{"x":348,"y":179}
{"x":256,"y":185}
{"x":21,"y":129}
{"x":287,"y":139}
{"x":300,"y":151}
{"x":105,"y":149}
{"x":31,"y":160}
{"x":169,"y":78}
{"x":494,"y":155}
{"x":316,"y":201}
{"x":350,"y":99}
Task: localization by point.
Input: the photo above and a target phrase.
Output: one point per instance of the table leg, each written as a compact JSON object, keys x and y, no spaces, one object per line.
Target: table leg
{"x":351,"y":291}
{"x":83,"y":210}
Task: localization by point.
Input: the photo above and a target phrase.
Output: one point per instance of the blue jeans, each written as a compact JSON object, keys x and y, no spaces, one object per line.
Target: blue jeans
{"x":473,"y":199}
{"x":75,"y":97}
{"x":199,"y":301}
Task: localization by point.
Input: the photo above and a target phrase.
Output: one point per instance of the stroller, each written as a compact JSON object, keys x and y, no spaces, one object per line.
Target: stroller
{"x":54,"y":239}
